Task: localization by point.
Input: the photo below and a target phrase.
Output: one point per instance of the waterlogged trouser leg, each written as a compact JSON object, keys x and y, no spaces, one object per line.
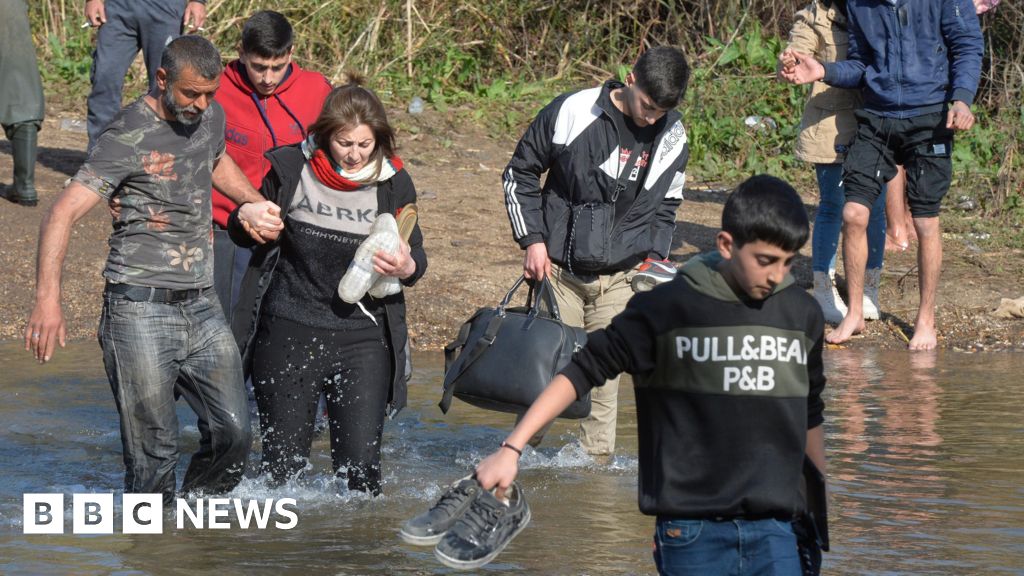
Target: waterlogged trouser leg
{"x":292,"y":364}
{"x":140,"y":343}
{"x":211,"y":382}
{"x":357,"y":383}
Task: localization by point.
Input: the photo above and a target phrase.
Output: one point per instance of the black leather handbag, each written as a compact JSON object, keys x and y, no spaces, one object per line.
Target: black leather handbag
{"x":504,"y":357}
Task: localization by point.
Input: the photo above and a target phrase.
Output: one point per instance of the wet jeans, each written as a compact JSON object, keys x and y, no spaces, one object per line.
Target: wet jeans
{"x":828,"y":221}
{"x":152,"y":349}
{"x":726,"y":548}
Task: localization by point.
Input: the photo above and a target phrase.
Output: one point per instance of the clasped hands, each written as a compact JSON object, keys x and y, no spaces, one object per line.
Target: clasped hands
{"x":261,"y":220}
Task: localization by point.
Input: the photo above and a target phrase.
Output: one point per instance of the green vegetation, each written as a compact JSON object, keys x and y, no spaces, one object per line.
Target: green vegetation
{"x":498,"y":62}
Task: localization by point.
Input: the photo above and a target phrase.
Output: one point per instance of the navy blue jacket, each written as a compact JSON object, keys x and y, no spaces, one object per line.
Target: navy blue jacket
{"x":911,"y":57}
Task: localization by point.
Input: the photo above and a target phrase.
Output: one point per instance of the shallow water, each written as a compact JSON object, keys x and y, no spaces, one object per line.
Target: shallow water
{"x":926,"y":468}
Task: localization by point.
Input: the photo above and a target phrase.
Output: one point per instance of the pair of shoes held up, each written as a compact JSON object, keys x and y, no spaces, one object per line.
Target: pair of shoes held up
{"x":468,"y":525}
{"x":386,"y":235}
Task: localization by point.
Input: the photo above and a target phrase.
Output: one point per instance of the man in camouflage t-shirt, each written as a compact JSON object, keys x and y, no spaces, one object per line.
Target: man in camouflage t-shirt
{"x":162,"y":329}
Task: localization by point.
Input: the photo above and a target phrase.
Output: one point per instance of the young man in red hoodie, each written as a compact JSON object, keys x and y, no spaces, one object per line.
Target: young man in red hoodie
{"x":268,"y":101}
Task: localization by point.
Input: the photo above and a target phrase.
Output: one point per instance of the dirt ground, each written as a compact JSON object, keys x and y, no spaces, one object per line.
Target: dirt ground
{"x":473,"y":260}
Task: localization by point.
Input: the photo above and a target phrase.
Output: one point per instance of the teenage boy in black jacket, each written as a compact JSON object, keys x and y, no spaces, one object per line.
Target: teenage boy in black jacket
{"x":615,"y":157}
{"x":726,"y":361}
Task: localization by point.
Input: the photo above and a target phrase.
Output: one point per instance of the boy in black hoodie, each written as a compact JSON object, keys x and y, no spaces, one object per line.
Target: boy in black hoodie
{"x":727,"y":368}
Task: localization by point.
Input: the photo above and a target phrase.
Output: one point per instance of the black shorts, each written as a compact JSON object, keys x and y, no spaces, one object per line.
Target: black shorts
{"x":922,"y":144}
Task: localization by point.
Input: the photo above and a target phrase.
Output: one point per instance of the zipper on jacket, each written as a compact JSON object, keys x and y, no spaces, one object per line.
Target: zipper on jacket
{"x":899,"y":57}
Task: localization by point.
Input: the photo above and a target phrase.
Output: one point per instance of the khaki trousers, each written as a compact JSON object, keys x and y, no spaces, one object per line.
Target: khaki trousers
{"x":591,"y":306}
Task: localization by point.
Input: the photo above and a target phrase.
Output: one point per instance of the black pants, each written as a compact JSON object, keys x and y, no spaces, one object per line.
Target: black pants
{"x":922,"y":144}
{"x":292,"y":365}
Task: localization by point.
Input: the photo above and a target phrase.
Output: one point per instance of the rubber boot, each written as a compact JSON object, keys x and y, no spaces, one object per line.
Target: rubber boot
{"x":872,"y":276}
{"x":23,"y":150}
{"x":828,"y":297}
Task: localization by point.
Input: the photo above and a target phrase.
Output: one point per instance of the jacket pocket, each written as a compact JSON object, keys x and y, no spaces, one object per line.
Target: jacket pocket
{"x":590,"y":235}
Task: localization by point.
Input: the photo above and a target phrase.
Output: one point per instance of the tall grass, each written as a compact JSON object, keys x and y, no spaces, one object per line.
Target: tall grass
{"x":500,"y":60}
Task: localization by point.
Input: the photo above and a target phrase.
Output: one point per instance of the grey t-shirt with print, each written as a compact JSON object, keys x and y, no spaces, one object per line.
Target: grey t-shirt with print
{"x":161,"y":172}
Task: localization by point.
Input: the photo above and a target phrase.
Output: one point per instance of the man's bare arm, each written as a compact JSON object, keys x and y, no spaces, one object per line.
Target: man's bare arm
{"x":229,"y":179}
{"x":45,"y":327}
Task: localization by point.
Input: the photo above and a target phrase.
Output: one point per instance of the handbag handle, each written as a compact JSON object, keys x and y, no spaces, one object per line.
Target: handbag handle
{"x":451,"y":351}
{"x":539,"y":291}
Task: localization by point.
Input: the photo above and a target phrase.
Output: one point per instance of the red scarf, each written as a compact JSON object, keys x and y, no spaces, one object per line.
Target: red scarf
{"x":324,"y":170}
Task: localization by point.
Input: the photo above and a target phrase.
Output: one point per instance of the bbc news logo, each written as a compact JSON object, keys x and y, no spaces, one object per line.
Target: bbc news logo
{"x":144,"y":514}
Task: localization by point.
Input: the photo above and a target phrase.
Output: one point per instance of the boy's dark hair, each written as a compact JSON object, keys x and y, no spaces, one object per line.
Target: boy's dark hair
{"x":193,"y":52}
{"x":267,"y":34}
{"x":766,"y":208}
{"x":662,"y":73}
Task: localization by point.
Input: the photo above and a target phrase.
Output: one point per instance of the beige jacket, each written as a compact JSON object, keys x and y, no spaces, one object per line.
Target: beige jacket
{"x":827,"y":127}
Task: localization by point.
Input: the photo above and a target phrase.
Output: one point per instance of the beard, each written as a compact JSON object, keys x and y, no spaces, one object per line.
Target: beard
{"x":187,"y":115}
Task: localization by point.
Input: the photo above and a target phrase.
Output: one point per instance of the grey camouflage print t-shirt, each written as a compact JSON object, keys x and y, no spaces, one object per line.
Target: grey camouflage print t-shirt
{"x":161,"y":172}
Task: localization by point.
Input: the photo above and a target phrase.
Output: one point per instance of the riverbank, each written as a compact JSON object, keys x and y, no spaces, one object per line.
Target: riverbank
{"x":473,"y":260}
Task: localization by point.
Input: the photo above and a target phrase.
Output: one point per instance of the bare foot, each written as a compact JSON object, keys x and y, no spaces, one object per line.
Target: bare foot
{"x":896,"y":242}
{"x":846,"y":329}
{"x":924,"y":338}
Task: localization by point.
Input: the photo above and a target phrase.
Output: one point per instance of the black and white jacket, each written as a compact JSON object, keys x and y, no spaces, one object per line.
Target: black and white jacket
{"x":575,"y":140}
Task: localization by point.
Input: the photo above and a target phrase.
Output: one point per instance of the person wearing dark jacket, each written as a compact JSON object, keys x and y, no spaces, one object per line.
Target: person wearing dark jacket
{"x":917,"y":63}
{"x":297,"y":337}
{"x":615,"y":157}
{"x":21,"y":99}
{"x":268,"y":101}
{"x":727,"y":368}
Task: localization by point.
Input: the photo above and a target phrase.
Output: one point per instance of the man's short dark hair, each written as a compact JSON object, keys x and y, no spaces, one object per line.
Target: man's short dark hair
{"x":766,"y":208}
{"x":193,"y":52}
{"x":662,"y":73}
{"x":267,"y":34}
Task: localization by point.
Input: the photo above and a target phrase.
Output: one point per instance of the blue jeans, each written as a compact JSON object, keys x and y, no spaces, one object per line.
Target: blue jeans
{"x":727,"y":547}
{"x":150,"y":351}
{"x":132,"y":25}
{"x":828,"y":221}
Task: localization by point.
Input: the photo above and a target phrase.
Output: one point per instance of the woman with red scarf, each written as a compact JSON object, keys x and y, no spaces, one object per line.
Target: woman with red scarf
{"x":300,"y":338}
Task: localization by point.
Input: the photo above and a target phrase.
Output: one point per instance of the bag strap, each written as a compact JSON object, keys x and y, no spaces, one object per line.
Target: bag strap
{"x":482,"y":344}
{"x":544,"y":290}
{"x":454,"y":346}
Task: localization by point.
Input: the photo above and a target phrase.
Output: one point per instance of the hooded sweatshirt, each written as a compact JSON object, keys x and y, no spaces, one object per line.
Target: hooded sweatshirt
{"x":257,"y":123}
{"x":726,"y":389}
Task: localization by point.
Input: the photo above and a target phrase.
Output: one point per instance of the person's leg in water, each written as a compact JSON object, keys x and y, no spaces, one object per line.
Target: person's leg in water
{"x":211,"y":382}
{"x":828,"y":220}
{"x":598,"y":431}
{"x":287,"y":390}
{"x":570,"y":297}
{"x":357,"y":396}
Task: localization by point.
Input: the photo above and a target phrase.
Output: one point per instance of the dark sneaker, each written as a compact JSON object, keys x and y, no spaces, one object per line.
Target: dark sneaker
{"x":484,"y":530}
{"x":428,"y":528}
{"x":652,"y":273}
